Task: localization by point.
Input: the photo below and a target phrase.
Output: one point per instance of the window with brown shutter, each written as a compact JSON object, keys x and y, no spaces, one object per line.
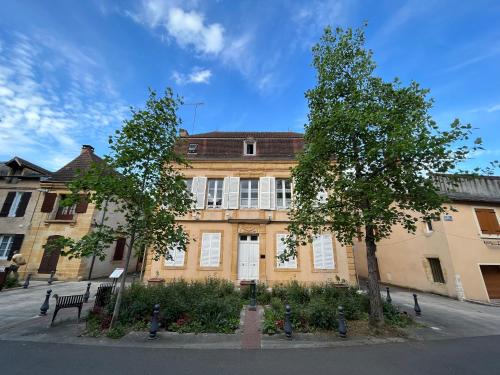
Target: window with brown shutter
{"x":21,"y":209}
{"x":48,"y":202}
{"x":120,"y":247}
{"x":7,"y":203}
{"x":487,"y":220}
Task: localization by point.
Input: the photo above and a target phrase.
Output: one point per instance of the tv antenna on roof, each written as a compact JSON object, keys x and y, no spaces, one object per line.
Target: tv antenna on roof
{"x":196,"y":104}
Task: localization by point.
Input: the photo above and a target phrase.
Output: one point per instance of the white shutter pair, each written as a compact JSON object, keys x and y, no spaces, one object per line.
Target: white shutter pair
{"x":280,"y":249}
{"x":321,"y":197}
{"x":177,"y":255}
{"x":198,"y":189}
{"x":267,"y":193}
{"x":210,"y":250}
{"x":231,"y":193}
{"x":323,"y":252}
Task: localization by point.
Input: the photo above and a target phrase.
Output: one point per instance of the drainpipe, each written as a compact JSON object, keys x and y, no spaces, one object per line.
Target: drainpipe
{"x":93,"y":256}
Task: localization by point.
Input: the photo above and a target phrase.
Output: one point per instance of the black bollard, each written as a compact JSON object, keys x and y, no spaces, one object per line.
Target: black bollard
{"x":51,"y":278}
{"x":288,"y":322}
{"x":388,"y":298}
{"x":27,"y":281}
{"x":45,"y":304}
{"x":342,"y":323}
{"x":253,"y":296}
{"x":154,"y":322}
{"x":417,"y":309}
{"x":86,"y":296}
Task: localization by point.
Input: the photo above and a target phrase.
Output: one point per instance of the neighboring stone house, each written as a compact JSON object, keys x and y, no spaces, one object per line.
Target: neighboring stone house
{"x":51,"y":220}
{"x":457,"y":256}
{"x":19,"y":194}
{"x":243,"y":191}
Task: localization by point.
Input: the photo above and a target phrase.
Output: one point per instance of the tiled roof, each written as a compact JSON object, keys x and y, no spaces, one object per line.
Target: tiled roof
{"x":229,"y":145}
{"x":81,"y":163}
{"x":36,"y":170}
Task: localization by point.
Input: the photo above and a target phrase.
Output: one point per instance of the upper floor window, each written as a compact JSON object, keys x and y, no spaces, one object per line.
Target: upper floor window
{"x":488,"y":221}
{"x":189,"y":184}
{"x":250,"y":148}
{"x":249,"y":193}
{"x":192,"y":148}
{"x":283,"y":193}
{"x":15,"y":204}
{"x":214,"y":196}
{"x":66,"y":212}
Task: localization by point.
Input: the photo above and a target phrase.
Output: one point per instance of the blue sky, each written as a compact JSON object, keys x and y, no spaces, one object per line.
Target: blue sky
{"x":69,"y":70}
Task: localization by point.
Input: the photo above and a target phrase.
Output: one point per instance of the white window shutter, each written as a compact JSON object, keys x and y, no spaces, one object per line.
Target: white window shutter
{"x":205,"y":250}
{"x":272,"y":192}
{"x":317,"y":252}
{"x":234,"y":193}
{"x":177,"y":257}
{"x":280,"y":249}
{"x":322,"y":197}
{"x":225,"y":192}
{"x":215,"y":250}
{"x":328,"y":260}
{"x":199,"y":190}
{"x":264,"y":193}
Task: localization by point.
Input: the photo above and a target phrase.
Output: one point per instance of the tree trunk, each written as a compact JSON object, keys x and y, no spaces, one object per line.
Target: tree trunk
{"x":119,"y":296}
{"x":376,"y":311}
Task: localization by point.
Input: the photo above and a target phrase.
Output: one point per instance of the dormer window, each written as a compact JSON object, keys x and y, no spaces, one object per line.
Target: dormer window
{"x":192,"y":148}
{"x":249,"y":148}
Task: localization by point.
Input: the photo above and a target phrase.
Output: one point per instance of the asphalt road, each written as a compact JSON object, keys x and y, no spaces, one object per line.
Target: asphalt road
{"x":478,"y":355}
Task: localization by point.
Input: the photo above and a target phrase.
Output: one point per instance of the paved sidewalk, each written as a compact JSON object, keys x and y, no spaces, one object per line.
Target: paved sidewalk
{"x":252,"y":328}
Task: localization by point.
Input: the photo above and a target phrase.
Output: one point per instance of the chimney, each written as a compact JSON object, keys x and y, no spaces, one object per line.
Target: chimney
{"x":88,"y":149}
{"x":183,"y":133}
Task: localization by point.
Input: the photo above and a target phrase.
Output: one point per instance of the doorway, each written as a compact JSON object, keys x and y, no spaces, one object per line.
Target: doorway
{"x":49,"y":258}
{"x":248,"y":257}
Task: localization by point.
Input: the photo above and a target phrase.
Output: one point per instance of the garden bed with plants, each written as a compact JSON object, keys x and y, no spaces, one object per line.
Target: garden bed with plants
{"x":315,"y":308}
{"x":212,"y":306}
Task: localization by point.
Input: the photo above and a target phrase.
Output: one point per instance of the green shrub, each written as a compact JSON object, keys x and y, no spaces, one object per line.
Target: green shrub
{"x":11,"y":282}
{"x":262,"y":293}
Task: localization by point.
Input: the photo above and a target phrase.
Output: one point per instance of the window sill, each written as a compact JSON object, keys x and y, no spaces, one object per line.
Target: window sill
{"x":276,"y":269}
{"x":324,"y":270}
{"x":57,"y":221}
{"x":489,"y":236}
{"x":174,"y":267}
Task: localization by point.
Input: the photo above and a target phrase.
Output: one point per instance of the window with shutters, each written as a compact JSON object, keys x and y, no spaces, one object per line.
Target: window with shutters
{"x":280,"y":249}
{"x":189,"y":184}
{"x":437,"y":271}
{"x":119,"y":248}
{"x":214,"y":195}
{"x":176,"y":257}
{"x":5,"y":245}
{"x":488,"y":221}
{"x":210,"y":250}
{"x":15,"y":204}
{"x":283,"y":193}
{"x":65,"y":212}
{"x":249,"y":193}
{"x":428,"y":226}
{"x":323,"y":258}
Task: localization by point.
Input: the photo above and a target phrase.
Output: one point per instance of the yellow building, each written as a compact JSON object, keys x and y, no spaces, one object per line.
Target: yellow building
{"x":49,"y":220}
{"x":242,"y":188}
{"x":457,"y":256}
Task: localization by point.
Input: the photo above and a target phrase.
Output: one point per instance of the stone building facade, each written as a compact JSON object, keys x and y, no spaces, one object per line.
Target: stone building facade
{"x":243,"y":191}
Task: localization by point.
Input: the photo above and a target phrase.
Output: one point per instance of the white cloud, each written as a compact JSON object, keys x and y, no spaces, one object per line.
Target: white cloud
{"x":187,"y":28}
{"x":47,"y":110}
{"x":197,"y":75}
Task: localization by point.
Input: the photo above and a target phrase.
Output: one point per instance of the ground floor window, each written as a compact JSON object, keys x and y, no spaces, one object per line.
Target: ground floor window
{"x":177,"y":256}
{"x":280,"y":249}
{"x":5,"y":245}
{"x":437,"y":271}
{"x":323,"y":252}
{"x":210,"y":250}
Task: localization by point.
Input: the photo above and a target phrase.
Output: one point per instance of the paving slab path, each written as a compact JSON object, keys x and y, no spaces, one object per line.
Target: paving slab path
{"x":252,"y":328}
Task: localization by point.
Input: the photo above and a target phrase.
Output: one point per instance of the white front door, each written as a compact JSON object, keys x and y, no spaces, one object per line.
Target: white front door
{"x":248,"y":257}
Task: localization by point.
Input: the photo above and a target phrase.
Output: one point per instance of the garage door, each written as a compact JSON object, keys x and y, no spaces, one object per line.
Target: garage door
{"x":491,"y":276}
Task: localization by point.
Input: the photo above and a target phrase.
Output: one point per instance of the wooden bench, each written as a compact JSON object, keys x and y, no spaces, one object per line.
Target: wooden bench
{"x":65,"y":302}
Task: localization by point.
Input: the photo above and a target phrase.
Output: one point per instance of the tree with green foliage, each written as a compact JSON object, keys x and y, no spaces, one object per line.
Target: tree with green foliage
{"x":371,"y":147}
{"x":141,"y":179}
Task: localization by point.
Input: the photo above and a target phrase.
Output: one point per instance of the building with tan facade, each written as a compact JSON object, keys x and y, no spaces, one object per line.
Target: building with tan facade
{"x":242,"y":188}
{"x":46,"y":219}
{"x":456,"y":256}
{"x":19,"y":195}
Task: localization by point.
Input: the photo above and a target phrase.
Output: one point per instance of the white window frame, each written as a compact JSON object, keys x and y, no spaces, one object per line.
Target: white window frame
{"x":207,"y":242}
{"x":15,"y":204}
{"x":291,"y":263}
{"x":212,"y":201}
{"x":6,"y":241}
{"x":178,"y":257}
{"x":282,"y":189}
{"x":427,"y":229}
{"x":320,"y":240}
{"x":245,"y":143}
{"x":248,"y":189}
